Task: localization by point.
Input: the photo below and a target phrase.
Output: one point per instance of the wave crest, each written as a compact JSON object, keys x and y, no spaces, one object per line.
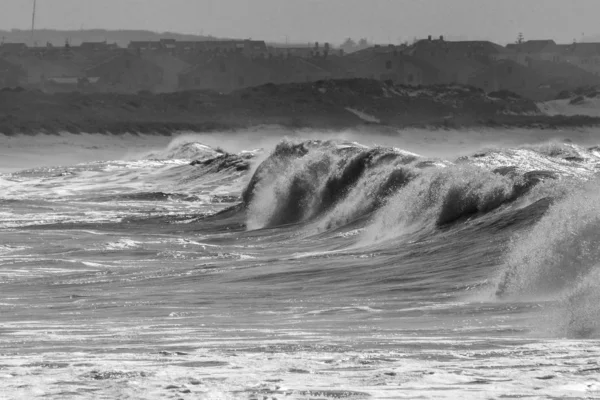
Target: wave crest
{"x":302,"y":180}
{"x":184,"y":148}
{"x":340,"y":182}
{"x":439,"y":197}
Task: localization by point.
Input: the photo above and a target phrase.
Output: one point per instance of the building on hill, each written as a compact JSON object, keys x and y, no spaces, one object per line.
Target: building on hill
{"x":337,"y":66}
{"x":523,"y":53}
{"x":484,"y":52}
{"x":145,"y":45}
{"x":172,"y":66}
{"x":293,"y":69}
{"x":224,"y":73}
{"x":14,"y":49}
{"x":195,"y":58}
{"x":481,"y":51}
{"x":70,"y":84}
{"x":302,"y":52}
{"x":97,"y":46}
{"x":37,"y":70}
{"x":382,"y":49}
{"x":255,"y":48}
{"x":564,"y":76}
{"x":456,"y":64}
{"x":127,"y":72}
{"x":456,"y":61}
{"x":11,"y":75}
{"x":534,"y":46}
{"x":168,"y":44}
{"x":390,"y":66}
{"x":430,"y":75}
{"x":583,"y":55}
{"x":47,"y":51}
{"x":51,"y":52}
{"x":310,"y":51}
{"x":541,"y":80}
{"x":186,"y":47}
{"x":223,"y":46}
{"x":507,"y":75}
{"x":87,"y":59}
{"x":246,"y":47}
{"x":249,"y":48}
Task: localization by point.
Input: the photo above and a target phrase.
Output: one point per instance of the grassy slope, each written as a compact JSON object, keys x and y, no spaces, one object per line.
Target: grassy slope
{"x":317,"y":105}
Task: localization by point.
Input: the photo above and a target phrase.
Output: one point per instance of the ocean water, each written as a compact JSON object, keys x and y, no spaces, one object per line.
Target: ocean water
{"x":271,"y":264}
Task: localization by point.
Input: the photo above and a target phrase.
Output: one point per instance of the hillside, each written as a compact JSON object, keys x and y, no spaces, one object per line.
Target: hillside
{"x":325,"y":104}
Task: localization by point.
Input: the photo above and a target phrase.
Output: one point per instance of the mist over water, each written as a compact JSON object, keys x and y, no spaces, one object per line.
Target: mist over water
{"x":300,"y":264}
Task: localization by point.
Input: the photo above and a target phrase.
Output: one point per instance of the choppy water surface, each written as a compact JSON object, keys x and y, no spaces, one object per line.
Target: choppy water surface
{"x":302,"y":269}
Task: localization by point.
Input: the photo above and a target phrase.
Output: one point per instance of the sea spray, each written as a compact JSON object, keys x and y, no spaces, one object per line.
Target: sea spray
{"x":440,"y":196}
{"x":368,"y":194}
{"x":559,"y":250}
{"x":559,"y":260}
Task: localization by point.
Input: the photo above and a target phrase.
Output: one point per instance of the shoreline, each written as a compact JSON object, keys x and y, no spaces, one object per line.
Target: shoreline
{"x":160,"y":128}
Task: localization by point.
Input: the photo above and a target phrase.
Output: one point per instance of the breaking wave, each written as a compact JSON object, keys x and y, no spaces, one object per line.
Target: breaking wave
{"x":183,"y":148}
{"x":301,"y":181}
{"x":389,"y":193}
{"x":335,"y":183}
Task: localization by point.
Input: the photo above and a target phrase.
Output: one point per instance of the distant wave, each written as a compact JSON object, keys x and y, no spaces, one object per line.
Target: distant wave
{"x":183,"y":148}
{"x":148,"y":196}
{"x":225,"y":161}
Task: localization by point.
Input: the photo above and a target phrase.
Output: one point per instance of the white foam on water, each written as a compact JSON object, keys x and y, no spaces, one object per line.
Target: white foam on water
{"x":207,"y":370}
{"x":122,"y":244}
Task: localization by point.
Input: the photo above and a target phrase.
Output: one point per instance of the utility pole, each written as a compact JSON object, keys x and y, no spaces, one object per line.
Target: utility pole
{"x":33,"y":20}
{"x":520,"y":38}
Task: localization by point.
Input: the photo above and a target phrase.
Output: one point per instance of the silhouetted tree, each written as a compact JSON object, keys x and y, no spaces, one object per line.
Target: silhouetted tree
{"x":348,"y":46}
{"x":326,"y":50}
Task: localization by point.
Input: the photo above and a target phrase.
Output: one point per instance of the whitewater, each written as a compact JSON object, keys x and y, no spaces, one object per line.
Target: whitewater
{"x":279,"y":264}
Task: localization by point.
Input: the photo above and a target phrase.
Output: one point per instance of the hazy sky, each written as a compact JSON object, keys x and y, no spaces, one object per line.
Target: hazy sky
{"x":320,"y":20}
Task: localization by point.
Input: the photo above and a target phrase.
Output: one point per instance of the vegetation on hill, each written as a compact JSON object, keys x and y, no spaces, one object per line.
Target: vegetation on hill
{"x":325,"y":104}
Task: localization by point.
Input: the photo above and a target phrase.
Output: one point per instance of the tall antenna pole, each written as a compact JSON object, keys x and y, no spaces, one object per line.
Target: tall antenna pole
{"x":33,"y":19}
